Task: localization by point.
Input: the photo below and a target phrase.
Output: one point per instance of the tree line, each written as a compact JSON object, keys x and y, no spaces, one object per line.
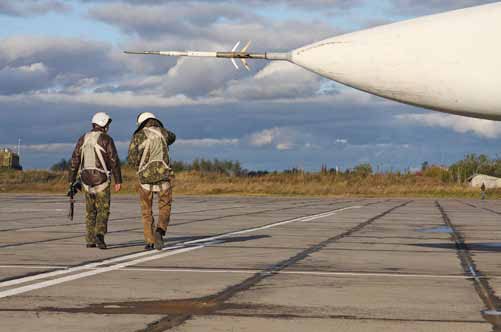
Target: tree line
{"x":458,"y":172}
{"x":228,"y":167}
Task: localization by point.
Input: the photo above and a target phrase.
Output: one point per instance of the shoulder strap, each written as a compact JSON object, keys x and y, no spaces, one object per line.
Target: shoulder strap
{"x":99,"y":149}
{"x":157,"y":132}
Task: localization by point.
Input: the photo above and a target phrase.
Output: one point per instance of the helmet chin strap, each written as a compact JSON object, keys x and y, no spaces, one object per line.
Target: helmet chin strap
{"x":105,"y":128}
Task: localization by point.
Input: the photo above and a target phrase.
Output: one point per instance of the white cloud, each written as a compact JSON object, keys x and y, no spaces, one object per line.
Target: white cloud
{"x":32,"y":7}
{"x":275,"y":81}
{"x":23,"y":78}
{"x":207,"y":142}
{"x":181,"y":143}
{"x":285,"y":146}
{"x":107,"y":99}
{"x":48,"y":148}
{"x":280,"y":138}
{"x":460,"y":124}
{"x":264,"y":137}
{"x":35,"y":67}
{"x":421,"y":7}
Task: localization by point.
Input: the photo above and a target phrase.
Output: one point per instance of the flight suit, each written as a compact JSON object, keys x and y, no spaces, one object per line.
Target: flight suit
{"x":153,"y":179}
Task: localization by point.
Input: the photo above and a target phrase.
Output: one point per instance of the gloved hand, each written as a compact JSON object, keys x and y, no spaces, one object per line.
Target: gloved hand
{"x":74,"y":188}
{"x":70,"y":189}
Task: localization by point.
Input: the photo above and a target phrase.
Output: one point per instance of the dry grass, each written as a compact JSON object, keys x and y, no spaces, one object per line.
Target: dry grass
{"x":321,"y":185}
{"x":310,"y":184}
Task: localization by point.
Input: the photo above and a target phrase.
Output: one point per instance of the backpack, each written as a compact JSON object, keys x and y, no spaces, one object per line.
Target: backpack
{"x":153,"y":167}
{"x":88,"y":163}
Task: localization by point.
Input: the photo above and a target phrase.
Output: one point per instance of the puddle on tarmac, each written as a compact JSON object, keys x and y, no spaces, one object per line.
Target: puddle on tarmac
{"x":443,"y":229}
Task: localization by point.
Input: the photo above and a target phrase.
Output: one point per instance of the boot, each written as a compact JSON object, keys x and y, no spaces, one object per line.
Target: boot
{"x":159,"y":240}
{"x":91,"y":245}
{"x":149,"y":246}
{"x":100,"y":241}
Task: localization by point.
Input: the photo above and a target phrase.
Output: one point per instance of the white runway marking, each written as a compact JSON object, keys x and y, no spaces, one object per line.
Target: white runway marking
{"x":97,"y":269}
{"x":237,"y":271}
{"x":76,"y":269}
{"x":32,"y":267}
{"x":52,"y":282}
{"x":311,"y":273}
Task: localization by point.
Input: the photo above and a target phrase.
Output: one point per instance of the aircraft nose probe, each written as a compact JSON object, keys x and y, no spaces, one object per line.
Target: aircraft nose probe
{"x":449,"y":62}
{"x":243,"y":55}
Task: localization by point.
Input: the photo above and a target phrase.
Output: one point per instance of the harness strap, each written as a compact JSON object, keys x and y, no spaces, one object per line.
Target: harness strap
{"x":98,"y":149}
{"x":143,"y":164}
{"x":96,"y":189}
{"x":156,"y":188}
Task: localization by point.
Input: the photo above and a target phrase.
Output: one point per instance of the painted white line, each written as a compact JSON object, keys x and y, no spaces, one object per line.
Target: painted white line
{"x":367,"y":274}
{"x":153,"y":255}
{"x":48,"y":283}
{"x":148,"y":253}
{"x":145,"y":269}
{"x":281,"y":223}
{"x":35,"y":267}
{"x":236,"y":271}
{"x":78,"y":268}
{"x":311,"y":273}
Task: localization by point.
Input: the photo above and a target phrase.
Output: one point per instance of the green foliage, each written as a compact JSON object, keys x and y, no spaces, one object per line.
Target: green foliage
{"x":363,"y":170}
{"x":226,"y":167}
{"x":62,"y":165}
{"x":436,"y":172}
{"x":473,"y":164}
{"x":180,"y":166}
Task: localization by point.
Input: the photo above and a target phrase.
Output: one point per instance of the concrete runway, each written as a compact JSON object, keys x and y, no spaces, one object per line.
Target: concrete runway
{"x":253,"y":264}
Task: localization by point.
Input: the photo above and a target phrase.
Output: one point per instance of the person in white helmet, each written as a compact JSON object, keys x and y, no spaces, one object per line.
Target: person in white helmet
{"x":95,"y":161}
{"x":149,"y":155}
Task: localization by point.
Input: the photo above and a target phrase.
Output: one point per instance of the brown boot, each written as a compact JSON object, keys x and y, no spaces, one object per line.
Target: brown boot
{"x":159,"y":240}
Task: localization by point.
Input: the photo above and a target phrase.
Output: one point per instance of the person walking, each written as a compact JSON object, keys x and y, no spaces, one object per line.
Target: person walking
{"x":93,"y":162}
{"x":149,"y":156}
{"x":482,"y":190}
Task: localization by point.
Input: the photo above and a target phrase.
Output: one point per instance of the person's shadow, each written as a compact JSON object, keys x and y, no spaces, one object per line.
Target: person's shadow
{"x":172,"y":241}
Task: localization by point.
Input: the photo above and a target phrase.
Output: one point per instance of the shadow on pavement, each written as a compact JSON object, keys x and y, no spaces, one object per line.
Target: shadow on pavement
{"x":488,"y":246}
{"x":176,"y":240}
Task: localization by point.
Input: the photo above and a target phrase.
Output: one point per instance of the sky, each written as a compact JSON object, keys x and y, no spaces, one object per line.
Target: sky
{"x":63,"y":61}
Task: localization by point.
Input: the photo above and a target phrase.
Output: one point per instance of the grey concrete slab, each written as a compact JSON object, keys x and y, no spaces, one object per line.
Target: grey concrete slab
{"x":110,"y":287}
{"x":50,"y":322}
{"x":376,"y":261}
{"x":363,"y":297}
{"x":244,"y":324}
{"x":354,"y":270}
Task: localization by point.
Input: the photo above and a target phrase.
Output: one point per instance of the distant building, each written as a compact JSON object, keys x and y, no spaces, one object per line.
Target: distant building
{"x":490,"y":182}
{"x":9,"y":160}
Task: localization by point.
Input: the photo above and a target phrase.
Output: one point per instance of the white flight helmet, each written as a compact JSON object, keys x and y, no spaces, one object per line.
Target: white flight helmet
{"x":144,"y":116}
{"x":101,"y":119}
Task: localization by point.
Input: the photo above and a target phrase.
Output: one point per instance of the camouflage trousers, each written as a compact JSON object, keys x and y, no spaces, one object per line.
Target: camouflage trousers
{"x":97,"y":208}
{"x":164,"y":209}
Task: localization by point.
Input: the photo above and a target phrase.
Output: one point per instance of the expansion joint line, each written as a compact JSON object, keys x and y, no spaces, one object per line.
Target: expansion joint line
{"x":218,"y":300}
{"x":478,"y":207}
{"x":481,"y":283}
